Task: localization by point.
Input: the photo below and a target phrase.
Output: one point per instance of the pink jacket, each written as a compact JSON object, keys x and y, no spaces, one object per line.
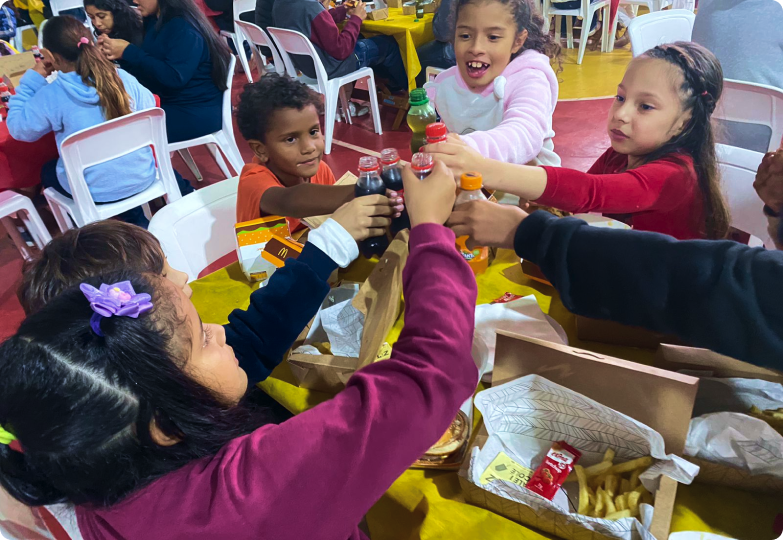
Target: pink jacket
{"x":511,"y":119}
{"x":315,"y":476}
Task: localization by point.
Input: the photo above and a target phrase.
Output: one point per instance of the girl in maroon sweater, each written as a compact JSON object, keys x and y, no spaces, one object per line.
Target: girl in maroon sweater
{"x":135,"y":419}
{"x":661,"y":171}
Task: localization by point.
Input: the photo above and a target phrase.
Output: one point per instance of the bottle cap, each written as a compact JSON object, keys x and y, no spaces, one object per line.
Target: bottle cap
{"x":438,"y":130}
{"x":368,"y":163}
{"x":389,"y":156}
{"x":421,"y":162}
{"x":470,"y":181}
{"x":418,"y":96}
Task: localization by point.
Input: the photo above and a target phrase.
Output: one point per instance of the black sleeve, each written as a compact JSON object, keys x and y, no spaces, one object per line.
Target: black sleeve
{"x":719,"y":295}
{"x":220,"y":5}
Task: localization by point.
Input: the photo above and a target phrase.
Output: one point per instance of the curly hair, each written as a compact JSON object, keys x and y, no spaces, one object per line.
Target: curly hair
{"x":527,"y":18}
{"x":259,"y":100}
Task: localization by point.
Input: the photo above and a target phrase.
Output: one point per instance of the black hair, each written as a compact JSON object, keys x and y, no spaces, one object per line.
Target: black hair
{"x":82,"y":405}
{"x":219,"y":54}
{"x":259,"y":100}
{"x":527,"y":18}
{"x":700,"y":91}
{"x":127,"y":21}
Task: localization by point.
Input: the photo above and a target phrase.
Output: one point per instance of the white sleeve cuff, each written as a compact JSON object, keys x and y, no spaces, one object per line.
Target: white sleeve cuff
{"x":335,"y":242}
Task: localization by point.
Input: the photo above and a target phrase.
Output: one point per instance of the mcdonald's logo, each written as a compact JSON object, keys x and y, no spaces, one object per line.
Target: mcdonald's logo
{"x":283,"y":253}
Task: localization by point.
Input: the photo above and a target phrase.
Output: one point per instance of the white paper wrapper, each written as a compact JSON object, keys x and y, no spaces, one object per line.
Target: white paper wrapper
{"x":522,"y":316}
{"x":737,"y":440}
{"x":736,"y":395}
{"x":337,"y":322}
{"x":525,"y":416}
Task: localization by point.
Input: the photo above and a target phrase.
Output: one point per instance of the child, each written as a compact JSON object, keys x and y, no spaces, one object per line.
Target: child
{"x":109,"y":246}
{"x":116,"y":19}
{"x":137,"y":422}
{"x":661,"y":171}
{"x":501,"y":94}
{"x":278,"y":116}
{"x":88,"y":91}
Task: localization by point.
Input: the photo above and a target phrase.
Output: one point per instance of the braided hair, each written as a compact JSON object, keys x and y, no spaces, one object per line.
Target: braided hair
{"x":700,"y":91}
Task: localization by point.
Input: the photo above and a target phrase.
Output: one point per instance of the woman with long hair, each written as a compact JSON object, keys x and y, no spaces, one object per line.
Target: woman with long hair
{"x":182,"y":60}
{"x":88,"y":91}
{"x":116,"y":19}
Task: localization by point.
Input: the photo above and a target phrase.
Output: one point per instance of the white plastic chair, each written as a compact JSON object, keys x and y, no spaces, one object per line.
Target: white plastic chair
{"x":237,"y":37}
{"x":256,"y":35}
{"x":198,"y":229}
{"x":17,"y":40}
{"x":222,"y":139}
{"x":738,"y":168}
{"x":103,"y":143}
{"x":652,"y":6}
{"x":291,"y":42}
{"x":15,"y":204}
{"x":661,"y":27}
{"x":431,"y":72}
{"x":752,"y":103}
{"x":585,"y":12}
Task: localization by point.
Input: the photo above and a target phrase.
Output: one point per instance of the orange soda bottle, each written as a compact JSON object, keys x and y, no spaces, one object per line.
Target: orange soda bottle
{"x":478,"y":258}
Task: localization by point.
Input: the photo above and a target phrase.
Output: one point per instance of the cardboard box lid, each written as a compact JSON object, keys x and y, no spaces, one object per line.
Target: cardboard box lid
{"x":675,"y":357}
{"x":660,"y":399}
{"x":14,"y":66}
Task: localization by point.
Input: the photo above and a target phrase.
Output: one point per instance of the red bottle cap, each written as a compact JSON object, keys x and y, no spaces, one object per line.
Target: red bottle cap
{"x":389,"y":156}
{"x":368,"y":164}
{"x":436,"y":131}
{"x":422,"y":162}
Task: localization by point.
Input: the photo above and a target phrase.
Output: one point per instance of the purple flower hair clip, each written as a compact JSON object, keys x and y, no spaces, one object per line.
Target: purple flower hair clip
{"x":118,"y":300}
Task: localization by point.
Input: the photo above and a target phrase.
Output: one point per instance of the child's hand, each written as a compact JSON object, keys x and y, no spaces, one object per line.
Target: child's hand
{"x":769,"y":180}
{"x":358,"y":10}
{"x":486,"y":223}
{"x":429,"y":200}
{"x":365,"y":217}
{"x":396,"y":201}
{"x":458,"y":156}
{"x":45,"y":66}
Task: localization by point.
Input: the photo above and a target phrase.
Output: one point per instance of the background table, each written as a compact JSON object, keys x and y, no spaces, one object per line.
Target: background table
{"x":409,"y":35}
{"x":21,"y":162}
{"x":428,"y":505}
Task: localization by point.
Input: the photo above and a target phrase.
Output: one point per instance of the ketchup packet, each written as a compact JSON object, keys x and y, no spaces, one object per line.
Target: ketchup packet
{"x":553,"y":471}
{"x":506,"y":298}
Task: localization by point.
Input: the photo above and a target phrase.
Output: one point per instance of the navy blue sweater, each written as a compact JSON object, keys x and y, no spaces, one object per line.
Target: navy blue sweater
{"x":719,"y":295}
{"x":174,"y":63}
{"x":261,"y":335}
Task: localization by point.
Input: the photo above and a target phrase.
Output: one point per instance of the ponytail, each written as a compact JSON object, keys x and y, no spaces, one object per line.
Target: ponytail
{"x":70,"y":39}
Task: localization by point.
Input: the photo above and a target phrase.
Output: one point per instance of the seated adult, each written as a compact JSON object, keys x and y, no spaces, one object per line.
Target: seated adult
{"x":439,"y":52}
{"x":745,"y":36}
{"x":264,"y":18}
{"x":115,"y":19}
{"x":225,"y":19}
{"x":182,"y":60}
{"x":341,"y":51}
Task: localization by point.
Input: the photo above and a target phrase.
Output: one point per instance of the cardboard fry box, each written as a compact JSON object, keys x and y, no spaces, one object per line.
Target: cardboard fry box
{"x":379,"y":301}
{"x":396,"y":4}
{"x":257,"y":257}
{"x":660,"y":399}
{"x":712,"y":364}
{"x":409,"y":8}
{"x":378,"y":14}
{"x":614,"y":333}
{"x":15,"y":65}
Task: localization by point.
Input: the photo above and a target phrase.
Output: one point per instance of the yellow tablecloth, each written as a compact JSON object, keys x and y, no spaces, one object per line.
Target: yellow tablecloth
{"x":409,"y":35}
{"x":428,"y":505}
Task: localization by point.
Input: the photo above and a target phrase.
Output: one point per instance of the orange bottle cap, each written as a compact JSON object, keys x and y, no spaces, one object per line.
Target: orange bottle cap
{"x":470,"y":181}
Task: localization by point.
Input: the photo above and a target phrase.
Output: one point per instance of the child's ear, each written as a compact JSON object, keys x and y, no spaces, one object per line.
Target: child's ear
{"x":519,"y":41}
{"x":259,"y":149}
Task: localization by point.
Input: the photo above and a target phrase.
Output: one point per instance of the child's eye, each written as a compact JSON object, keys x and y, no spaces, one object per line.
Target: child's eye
{"x":290,"y":140}
{"x":646,"y":107}
{"x":314,"y":132}
{"x":464,"y":36}
{"x":619,"y":98}
{"x":494,"y":38}
{"x":207,"y":335}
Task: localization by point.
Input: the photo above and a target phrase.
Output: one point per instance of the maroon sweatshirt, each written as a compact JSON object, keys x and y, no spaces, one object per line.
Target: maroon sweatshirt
{"x":315,"y":476}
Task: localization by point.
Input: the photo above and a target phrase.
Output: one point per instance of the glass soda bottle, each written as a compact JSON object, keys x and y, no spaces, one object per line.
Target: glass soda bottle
{"x":436,"y":132}
{"x":370,"y":183}
{"x":392,"y":178}
{"x":420,"y":115}
{"x":478,"y":258}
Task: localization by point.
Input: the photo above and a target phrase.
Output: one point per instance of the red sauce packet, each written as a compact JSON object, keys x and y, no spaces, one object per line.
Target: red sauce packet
{"x":553,"y":471}
{"x":506,"y":298}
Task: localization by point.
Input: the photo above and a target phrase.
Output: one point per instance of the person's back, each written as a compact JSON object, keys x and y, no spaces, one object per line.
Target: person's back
{"x":265,"y":13}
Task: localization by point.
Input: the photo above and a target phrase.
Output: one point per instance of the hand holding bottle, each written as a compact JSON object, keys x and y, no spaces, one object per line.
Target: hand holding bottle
{"x":487,"y":223}
{"x":458,"y":156}
{"x":365,"y":217}
{"x":431,"y":199}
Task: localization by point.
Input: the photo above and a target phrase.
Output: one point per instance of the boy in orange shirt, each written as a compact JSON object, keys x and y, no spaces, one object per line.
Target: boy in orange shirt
{"x":279,"y":118}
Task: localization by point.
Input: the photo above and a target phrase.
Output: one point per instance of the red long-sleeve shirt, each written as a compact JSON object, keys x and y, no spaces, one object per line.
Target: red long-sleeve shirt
{"x":325,"y":33}
{"x":662,"y":196}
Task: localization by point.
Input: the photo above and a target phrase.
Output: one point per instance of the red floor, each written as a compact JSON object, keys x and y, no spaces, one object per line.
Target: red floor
{"x":580,"y":139}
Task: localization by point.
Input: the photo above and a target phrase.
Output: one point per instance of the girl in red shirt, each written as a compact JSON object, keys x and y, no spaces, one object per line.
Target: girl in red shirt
{"x":661,"y":171}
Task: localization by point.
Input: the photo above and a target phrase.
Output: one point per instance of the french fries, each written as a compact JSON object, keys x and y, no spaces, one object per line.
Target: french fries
{"x":773,"y":417}
{"x":612,"y":491}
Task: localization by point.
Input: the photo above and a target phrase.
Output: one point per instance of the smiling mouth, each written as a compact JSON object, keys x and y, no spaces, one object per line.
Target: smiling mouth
{"x":476,"y":69}
{"x":309,"y":162}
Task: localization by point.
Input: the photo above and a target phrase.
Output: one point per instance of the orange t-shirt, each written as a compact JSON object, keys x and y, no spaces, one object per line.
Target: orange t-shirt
{"x":256,"y":178}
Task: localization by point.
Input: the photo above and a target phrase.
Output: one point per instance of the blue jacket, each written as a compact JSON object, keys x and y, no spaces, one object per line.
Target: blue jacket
{"x":720,"y":295}
{"x":66,"y":106}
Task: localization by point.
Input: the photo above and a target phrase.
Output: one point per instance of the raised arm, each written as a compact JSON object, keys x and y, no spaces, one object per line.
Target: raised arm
{"x":30,"y":111}
{"x":304,"y":200}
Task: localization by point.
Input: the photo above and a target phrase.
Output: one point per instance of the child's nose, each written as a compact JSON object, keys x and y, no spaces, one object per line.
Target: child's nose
{"x":220,"y":334}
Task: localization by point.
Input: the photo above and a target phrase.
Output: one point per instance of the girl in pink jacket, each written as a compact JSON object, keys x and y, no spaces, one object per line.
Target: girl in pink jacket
{"x":502,"y":93}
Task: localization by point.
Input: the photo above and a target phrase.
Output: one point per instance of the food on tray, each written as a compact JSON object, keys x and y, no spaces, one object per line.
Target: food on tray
{"x":450,"y":447}
{"x":612,"y":491}
{"x":553,"y":471}
{"x":773,"y":417}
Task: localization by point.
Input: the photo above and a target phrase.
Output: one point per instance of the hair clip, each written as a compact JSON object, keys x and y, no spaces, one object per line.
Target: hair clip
{"x":6,"y":437}
{"x":83,"y":41}
{"x":705,"y":94}
{"x":118,"y":300}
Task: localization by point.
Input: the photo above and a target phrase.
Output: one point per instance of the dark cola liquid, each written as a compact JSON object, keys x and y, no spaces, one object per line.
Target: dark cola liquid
{"x":378,"y":244}
{"x":392,"y":177}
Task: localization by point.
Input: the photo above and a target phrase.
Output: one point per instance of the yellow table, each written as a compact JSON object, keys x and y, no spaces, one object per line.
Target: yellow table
{"x":409,"y":35}
{"x":429,"y":505}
